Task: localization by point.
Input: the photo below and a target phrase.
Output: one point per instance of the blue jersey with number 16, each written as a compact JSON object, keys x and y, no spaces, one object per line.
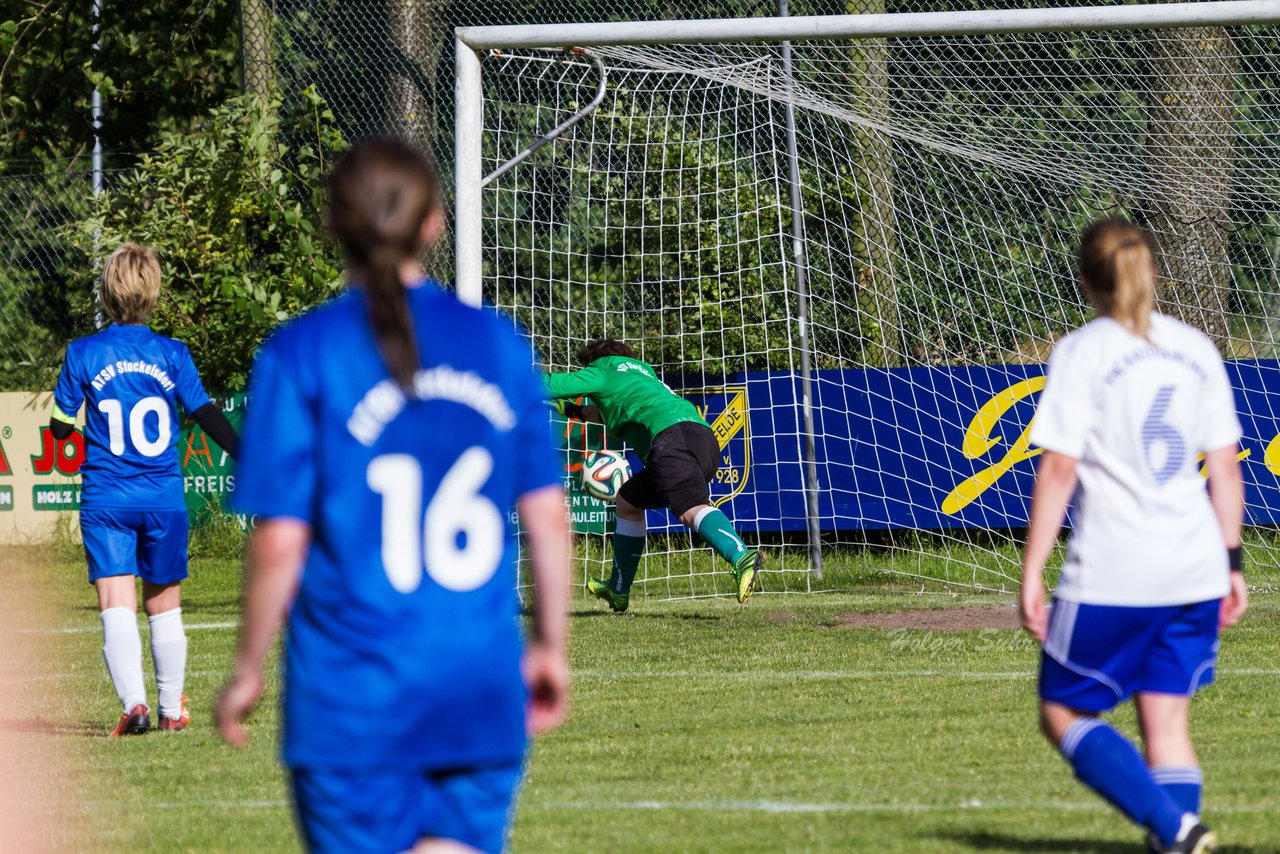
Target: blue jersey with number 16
{"x":403,"y":647}
{"x":132,"y":381}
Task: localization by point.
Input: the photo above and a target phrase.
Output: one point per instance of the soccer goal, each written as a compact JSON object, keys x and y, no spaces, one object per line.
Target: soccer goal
{"x":849,"y":240}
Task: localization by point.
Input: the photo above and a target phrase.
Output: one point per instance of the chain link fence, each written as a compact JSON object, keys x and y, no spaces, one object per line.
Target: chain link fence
{"x":40,"y":307}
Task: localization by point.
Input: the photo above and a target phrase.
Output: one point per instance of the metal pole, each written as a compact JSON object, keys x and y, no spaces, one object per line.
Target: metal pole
{"x":799,"y":262}
{"x":96,"y":114}
{"x":828,"y":27}
{"x":468,"y":134}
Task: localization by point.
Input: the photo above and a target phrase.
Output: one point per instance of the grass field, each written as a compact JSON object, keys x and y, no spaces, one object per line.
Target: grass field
{"x":696,"y":726}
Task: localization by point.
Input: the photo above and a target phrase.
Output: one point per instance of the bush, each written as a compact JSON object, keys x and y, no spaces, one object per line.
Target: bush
{"x":233,"y":214}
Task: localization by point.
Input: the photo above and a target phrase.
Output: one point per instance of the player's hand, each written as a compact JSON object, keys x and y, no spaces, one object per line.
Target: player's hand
{"x":546,"y":674}
{"x":234,"y":705}
{"x":558,"y":405}
{"x":1035,"y":616}
{"x":1235,"y":602}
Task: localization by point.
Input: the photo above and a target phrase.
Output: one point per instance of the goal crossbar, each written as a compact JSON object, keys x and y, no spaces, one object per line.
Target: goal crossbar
{"x":901,"y":25}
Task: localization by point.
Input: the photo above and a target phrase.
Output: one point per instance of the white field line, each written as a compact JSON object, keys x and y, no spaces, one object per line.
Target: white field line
{"x":758,"y":675}
{"x":747,"y":675}
{"x":95,"y":627}
{"x":766,"y":806}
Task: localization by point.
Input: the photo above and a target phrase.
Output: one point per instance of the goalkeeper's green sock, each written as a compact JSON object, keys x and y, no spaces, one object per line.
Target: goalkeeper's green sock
{"x":628,"y":547}
{"x":715,"y":527}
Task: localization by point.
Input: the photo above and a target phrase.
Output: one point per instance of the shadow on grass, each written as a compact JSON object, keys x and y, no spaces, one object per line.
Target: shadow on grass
{"x":982,"y":841}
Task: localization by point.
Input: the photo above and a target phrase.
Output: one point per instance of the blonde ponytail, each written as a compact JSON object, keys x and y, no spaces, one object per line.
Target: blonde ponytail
{"x":1117,"y":269}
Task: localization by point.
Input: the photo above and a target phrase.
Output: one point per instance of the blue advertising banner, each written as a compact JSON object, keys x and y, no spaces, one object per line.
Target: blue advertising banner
{"x":919,"y":447}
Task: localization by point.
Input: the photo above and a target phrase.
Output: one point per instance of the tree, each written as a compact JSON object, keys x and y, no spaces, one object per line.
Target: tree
{"x":160,"y":67}
{"x":1189,"y":168}
{"x":234,"y":217}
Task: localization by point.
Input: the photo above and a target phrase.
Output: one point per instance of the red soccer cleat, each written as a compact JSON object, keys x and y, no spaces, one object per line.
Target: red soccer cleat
{"x":134,"y":722}
{"x":168,"y":724}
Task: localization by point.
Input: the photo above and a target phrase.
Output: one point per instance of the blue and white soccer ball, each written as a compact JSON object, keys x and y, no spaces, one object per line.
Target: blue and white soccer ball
{"x":604,"y":472}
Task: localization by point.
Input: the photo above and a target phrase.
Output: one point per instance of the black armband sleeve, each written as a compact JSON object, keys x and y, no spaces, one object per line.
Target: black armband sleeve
{"x":61,"y":430}
{"x":1234,"y":560}
{"x":573,"y":410}
{"x":213,"y":422}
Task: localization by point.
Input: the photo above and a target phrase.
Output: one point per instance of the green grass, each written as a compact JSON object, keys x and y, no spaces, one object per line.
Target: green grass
{"x":696,"y":726}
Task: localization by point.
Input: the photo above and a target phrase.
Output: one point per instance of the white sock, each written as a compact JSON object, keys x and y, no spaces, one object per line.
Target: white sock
{"x":122,"y":649}
{"x":169,"y":652}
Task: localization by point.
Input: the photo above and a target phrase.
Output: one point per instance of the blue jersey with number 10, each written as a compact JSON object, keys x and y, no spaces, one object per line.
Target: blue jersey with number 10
{"x":403,"y":646}
{"x":132,"y":380}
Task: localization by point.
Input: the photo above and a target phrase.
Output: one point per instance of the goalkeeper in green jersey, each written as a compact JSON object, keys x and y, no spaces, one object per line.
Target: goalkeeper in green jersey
{"x":680,"y":455}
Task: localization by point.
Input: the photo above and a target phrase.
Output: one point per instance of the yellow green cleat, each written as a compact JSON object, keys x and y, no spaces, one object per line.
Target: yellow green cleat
{"x":747,"y":573}
{"x":601,"y":590}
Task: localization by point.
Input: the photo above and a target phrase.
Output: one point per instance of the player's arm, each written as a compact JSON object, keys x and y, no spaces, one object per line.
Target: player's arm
{"x":1226,"y":494}
{"x":583,"y":383}
{"x":68,"y":395}
{"x":61,"y":425}
{"x":273,"y":567}
{"x":1055,"y":482}
{"x":546,"y":671}
{"x":196,"y":400}
{"x":212,"y":420}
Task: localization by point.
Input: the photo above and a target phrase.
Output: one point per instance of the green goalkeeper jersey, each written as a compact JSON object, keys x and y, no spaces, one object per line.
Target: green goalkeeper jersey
{"x":634,"y":404}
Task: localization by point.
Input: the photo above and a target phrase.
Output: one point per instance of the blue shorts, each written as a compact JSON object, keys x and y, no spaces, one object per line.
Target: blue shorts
{"x":381,"y":810}
{"x":128,"y":542}
{"x":1097,"y":656}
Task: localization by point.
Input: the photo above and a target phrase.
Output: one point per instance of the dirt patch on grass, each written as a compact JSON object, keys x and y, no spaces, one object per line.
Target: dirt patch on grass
{"x":967,"y":619}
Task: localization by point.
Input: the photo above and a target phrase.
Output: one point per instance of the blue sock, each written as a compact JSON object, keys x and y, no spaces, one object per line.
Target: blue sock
{"x":1108,"y":763}
{"x":1181,"y":784}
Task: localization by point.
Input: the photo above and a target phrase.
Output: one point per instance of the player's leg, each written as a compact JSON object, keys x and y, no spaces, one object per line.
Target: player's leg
{"x":110,"y":547}
{"x":1180,"y":662}
{"x":628,"y":545}
{"x":1166,"y":733}
{"x":1107,"y":762}
{"x":687,"y":467}
{"x":163,"y":604}
{"x":1091,"y":658}
{"x":162,"y":563}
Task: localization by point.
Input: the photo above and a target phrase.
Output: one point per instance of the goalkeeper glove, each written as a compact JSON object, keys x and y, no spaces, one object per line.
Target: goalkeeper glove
{"x":567,"y":408}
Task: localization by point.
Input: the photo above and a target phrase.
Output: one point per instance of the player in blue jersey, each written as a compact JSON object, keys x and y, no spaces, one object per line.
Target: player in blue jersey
{"x":1153,"y":564}
{"x":388,"y":434}
{"x":132,"y":515}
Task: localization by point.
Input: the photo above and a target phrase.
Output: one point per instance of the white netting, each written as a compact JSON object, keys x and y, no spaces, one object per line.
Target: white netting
{"x":944,"y":184}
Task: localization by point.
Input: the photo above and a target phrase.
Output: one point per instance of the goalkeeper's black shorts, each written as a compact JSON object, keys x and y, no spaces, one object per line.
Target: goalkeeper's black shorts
{"x":682,"y":461}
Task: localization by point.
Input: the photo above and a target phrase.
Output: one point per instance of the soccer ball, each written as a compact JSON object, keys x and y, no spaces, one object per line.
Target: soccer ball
{"x":604,"y":472}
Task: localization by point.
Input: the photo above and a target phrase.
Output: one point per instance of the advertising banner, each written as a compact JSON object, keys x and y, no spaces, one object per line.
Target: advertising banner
{"x":40,"y":476}
{"x":943,"y":447}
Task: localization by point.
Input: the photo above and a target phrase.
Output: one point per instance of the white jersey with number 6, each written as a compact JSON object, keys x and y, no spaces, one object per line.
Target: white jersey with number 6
{"x":1137,"y":415}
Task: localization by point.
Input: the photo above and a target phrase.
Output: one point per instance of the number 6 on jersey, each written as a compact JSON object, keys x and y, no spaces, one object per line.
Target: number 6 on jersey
{"x":457,"y":511}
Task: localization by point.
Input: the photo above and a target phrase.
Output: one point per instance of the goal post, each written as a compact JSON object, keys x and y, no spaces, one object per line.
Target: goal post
{"x":849,"y":239}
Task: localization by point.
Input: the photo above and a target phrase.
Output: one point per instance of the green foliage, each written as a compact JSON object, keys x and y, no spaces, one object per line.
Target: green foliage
{"x":234,"y":216}
{"x":159,"y":67}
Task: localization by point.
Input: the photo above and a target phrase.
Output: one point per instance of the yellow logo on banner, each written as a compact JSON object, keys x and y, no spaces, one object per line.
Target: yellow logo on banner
{"x":978,"y":442}
{"x":732,"y":426}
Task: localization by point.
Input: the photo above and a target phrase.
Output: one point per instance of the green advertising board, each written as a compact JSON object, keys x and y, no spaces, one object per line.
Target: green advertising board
{"x":576,"y":439}
{"x":208,"y":472}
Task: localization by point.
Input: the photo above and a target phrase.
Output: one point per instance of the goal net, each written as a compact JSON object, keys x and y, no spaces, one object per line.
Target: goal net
{"x":855,"y":254}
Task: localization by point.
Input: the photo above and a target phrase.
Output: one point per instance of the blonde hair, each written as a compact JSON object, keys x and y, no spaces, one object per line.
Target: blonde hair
{"x":1118,"y":271}
{"x":130,"y":284}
